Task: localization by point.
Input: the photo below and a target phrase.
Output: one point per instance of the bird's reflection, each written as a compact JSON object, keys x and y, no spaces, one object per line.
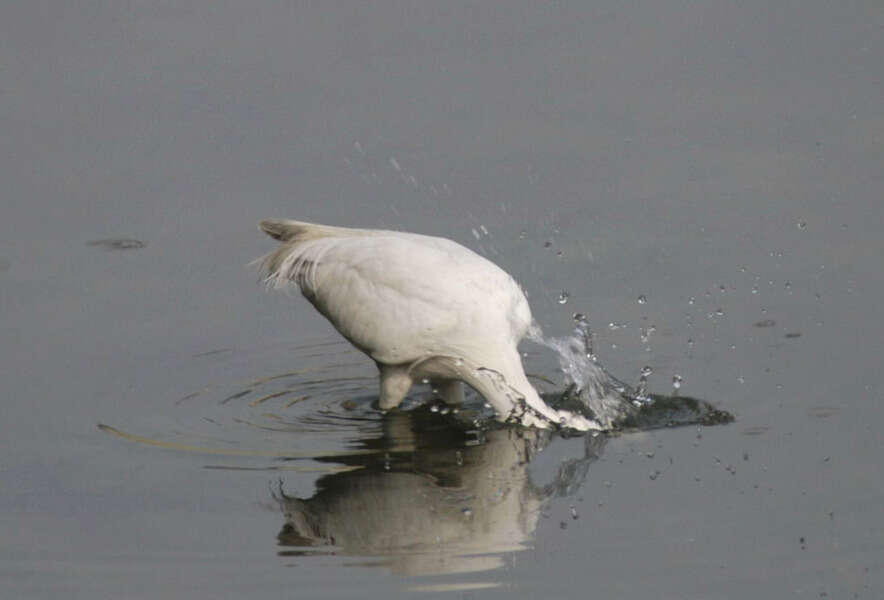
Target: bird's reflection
{"x":457,"y":502}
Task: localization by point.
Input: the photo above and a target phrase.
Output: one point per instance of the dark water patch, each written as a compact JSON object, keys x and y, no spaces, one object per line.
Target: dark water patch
{"x":117,"y":244}
{"x":213,"y":352}
{"x":823,"y":412}
{"x":756,"y":430}
{"x":675,"y":411}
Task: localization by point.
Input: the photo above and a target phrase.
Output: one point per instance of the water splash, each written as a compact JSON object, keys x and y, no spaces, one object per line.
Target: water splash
{"x":589,"y":385}
{"x":642,"y":396}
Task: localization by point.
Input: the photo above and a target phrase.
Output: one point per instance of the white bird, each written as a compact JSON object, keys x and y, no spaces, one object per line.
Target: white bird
{"x":422,"y":307}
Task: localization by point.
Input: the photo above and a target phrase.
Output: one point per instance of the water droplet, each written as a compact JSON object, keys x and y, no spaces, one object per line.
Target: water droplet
{"x":574,"y":514}
{"x":434,"y":408}
{"x":788,"y":286}
{"x":646,"y":371}
{"x":547,"y":244}
{"x":653,"y":475}
{"x":642,"y":299}
{"x":754,"y":289}
{"x":722,"y":289}
{"x":691,"y":300}
{"x":523,"y":234}
{"x":483,"y":229}
{"x":458,"y":458}
{"x":741,"y":379}
{"x":690,"y":342}
{"x":467,"y":512}
{"x":676,"y":381}
{"x":387,"y":465}
{"x":802,"y":225}
{"x":563,"y":297}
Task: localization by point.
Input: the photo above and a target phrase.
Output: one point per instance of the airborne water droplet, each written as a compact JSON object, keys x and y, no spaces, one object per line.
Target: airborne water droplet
{"x":563,"y":297}
{"x":676,"y":382}
{"x":642,"y":299}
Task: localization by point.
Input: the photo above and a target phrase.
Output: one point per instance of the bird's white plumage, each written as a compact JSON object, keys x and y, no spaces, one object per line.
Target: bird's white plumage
{"x":420,"y":307}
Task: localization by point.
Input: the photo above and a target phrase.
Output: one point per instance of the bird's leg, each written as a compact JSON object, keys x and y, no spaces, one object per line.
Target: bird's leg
{"x":450,"y":391}
{"x":395,"y":383}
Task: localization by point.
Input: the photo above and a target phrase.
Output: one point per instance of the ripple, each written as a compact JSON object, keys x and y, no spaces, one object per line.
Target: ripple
{"x":325,"y":409}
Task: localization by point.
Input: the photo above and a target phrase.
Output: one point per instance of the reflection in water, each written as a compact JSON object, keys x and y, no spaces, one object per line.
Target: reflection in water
{"x":455,"y":503}
{"x":425,"y":489}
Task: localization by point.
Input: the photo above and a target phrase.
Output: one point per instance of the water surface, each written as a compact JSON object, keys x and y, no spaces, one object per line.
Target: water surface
{"x":703,"y":182}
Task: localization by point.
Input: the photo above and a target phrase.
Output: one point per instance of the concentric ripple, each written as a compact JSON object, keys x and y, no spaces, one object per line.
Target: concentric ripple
{"x":326,"y":408}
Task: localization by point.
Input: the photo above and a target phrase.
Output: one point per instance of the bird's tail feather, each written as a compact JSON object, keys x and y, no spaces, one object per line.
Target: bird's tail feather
{"x":295,"y":260}
{"x":287,"y":231}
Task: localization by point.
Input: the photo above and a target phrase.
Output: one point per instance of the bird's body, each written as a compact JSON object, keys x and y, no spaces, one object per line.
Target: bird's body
{"x":421,"y":307}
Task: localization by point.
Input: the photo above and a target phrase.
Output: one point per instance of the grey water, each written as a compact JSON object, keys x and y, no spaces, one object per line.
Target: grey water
{"x":702,"y":181}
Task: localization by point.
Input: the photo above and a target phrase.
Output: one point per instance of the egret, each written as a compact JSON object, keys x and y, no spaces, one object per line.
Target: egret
{"x":422,"y":308}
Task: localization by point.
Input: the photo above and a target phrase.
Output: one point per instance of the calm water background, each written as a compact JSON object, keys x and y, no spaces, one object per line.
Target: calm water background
{"x":722,"y":160}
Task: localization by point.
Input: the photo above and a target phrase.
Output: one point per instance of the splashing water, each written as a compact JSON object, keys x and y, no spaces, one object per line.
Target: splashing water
{"x":608,"y":400}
